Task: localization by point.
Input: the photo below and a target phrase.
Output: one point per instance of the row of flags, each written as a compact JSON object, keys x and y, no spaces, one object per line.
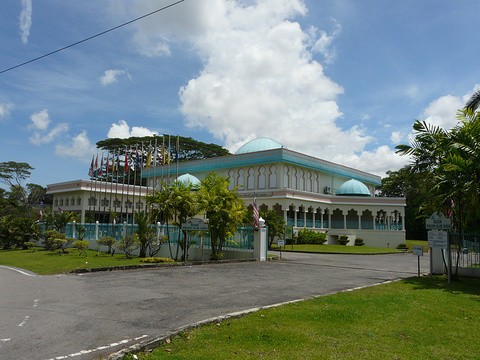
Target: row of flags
{"x":131,"y":158}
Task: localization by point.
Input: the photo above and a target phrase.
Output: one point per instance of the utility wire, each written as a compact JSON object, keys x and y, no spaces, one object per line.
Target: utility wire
{"x":92,"y":37}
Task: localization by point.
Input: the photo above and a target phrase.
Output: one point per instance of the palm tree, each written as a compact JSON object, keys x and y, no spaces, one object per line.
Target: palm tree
{"x":144,"y":232}
{"x":224,"y":209}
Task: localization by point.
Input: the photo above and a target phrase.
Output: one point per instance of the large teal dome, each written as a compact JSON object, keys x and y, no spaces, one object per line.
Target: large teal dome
{"x":259,"y":144}
{"x":353,"y":188}
{"x":188,"y":180}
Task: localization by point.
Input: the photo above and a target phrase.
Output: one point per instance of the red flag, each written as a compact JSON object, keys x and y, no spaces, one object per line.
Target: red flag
{"x":256,"y":215}
{"x":90,"y":171}
{"x":100,"y":173}
{"x":126,"y":162}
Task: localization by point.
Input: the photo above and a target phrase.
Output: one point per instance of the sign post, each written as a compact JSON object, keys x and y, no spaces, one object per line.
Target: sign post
{"x":281,"y":243}
{"x":439,"y":239}
{"x":193,"y":224}
{"x":418,"y":250}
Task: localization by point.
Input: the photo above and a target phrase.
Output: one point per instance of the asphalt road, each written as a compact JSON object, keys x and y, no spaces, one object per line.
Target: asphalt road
{"x":88,"y":316}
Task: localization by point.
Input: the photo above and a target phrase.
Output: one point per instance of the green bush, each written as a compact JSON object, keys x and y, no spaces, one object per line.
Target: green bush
{"x":109,"y":242}
{"x":217,"y":256}
{"x":48,"y":238}
{"x":29,"y":245}
{"x":402,"y":246}
{"x":359,"y":242}
{"x":82,"y":246}
{"x":307,"y":236}
{"x":343,"y":240}
{"x":128,"y":245}
{"x":154,"y":260}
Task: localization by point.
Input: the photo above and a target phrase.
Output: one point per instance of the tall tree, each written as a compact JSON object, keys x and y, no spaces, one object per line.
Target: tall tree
{"x":13,"y":174}
{"x":224,"y":209}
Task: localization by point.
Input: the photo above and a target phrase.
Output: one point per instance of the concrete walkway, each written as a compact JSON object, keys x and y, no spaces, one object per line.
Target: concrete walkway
{"x":92,"y":315}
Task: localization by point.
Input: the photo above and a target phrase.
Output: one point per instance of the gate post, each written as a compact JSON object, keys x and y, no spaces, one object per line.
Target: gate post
{"x":260,"y":241}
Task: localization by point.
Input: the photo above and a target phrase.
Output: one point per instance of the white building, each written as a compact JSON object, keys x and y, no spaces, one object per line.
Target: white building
{"x":308,"y":192}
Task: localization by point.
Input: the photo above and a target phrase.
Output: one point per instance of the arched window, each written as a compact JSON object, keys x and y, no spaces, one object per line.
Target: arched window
{"x":241,"y":178}
{"x":251,"y":179}
{"x":315,"y":183}
{"x":261,"y":178}
{"x":308,"y":181}
{"x":294,"y":178}
{"x":301,"y":180}
{"x":231,"y":175}
{"x":286,"y":183}
{"x":273,"y":176}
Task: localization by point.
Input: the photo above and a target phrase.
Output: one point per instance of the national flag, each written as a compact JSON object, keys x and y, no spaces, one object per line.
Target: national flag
{"x":163,"y":155}
{"x":60,"y":210}
{"x":113,"y":163}
{"x":41,"y":214}
{"x":256,"y":215}
{"x":169,"y":150}
{"x":449,"y":204}
{"x":139,"y":161}
{"x":90,"y":171}
{"x":149,"y":159}
{"x":100,"y":171}
{"x":108,"y":163}
{"x":126,"y":162}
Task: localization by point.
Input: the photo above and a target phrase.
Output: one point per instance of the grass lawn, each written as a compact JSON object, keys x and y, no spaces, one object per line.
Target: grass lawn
{"x":337,"y":249}
{"x":417,"y":318}
{"x":47,"y":262}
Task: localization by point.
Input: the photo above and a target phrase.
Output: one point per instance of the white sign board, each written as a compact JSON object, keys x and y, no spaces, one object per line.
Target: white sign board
{"x":417,"y":250}
{"x":438,"y":221}
{"x":437,"y":239}
{"x":195,"y":225}
{"x":281,"y":242}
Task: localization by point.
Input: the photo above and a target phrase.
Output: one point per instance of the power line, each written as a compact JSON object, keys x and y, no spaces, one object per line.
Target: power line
{"x":91,"y":37}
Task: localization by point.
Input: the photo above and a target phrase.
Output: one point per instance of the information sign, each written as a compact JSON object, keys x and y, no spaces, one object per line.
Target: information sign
{"x":194,"y":224}
{"x":418,"y":250}
{"x":437,"y":239}
{"x":281,"y":243}
{"x":438,"y":221}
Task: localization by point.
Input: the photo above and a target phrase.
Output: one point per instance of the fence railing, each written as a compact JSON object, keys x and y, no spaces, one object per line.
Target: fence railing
{"x":243,"y":239}
{"x":469,"y":245}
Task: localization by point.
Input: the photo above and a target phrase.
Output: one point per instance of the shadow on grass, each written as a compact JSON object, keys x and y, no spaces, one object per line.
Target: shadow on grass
{"x":465,"y":285}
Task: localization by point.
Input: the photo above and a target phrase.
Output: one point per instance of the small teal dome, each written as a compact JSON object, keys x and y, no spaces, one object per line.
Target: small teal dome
{"x":259,"y":144}
{"x":353,"y":188}
{"x":188,"y":179}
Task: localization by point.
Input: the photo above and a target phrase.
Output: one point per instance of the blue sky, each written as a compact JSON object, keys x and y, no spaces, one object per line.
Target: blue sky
{"x":340,"y":80}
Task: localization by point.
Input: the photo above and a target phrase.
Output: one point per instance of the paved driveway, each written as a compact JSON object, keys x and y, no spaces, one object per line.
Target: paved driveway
{"x":89,"y":316}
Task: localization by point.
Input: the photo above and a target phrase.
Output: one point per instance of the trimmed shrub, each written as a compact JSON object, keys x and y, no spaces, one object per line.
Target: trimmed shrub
{"x":217,"y":256}
{"x":359,"y":242}
{"x":82,"y":246}
{"x":109,"y":242}
{"x":343,"y":240}
{"x":307,"y":236}
{"x":402,"y":246}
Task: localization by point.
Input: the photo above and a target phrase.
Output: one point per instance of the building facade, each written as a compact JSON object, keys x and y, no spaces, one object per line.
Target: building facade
{"x":306,"y":191}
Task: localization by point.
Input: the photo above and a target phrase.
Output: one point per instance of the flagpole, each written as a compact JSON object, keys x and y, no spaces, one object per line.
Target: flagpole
{"x":90,"y":173}
{"x":135,"y":179}
{"x":177,"y":151}
{"x":95,"y":173}
{"x":125,"y":167}
{"x":155,"y":166}
{"x":128,"y":182}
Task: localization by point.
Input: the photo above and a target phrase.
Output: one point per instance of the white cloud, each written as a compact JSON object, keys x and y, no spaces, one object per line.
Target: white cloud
{"x":40,"y":124}
{"x":122,"y":130}
{"x":80,"y":148}
{"x":40,"y":120}
{"x":26,"y":20}
{"x":377,"y":162}
{"x":443,"y":111}
{"x":111,"y":76}
{"x":259,"y":78}
{"x":323,"y":44}
{"x":396,"y":137}
{"x":5,"y":110}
